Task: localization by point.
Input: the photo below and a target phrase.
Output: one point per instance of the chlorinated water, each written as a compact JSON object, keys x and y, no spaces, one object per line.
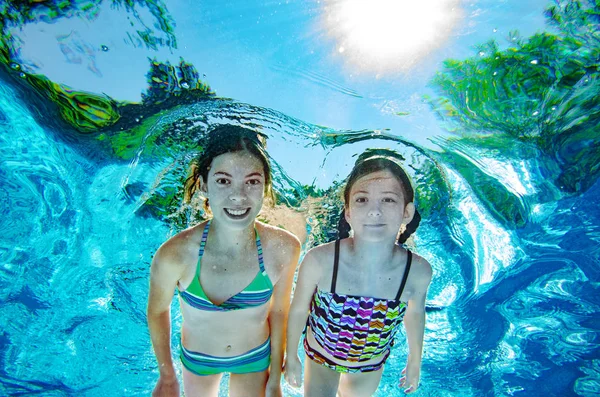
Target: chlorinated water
{"x":102,"y":106}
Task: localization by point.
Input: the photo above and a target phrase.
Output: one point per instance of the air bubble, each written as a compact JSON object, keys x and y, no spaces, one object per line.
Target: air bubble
{"x":185,"y":85}
{"x":534,"y":62}
{"x":104,"y":48}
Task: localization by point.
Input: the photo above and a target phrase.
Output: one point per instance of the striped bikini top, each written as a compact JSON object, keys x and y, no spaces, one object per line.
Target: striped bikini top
{"x":257,"y":293}
{"x":356,"y":328}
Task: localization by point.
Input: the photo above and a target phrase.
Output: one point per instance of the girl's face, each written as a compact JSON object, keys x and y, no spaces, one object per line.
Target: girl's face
{"x":235,"y":188}
{"x":376,"y":208}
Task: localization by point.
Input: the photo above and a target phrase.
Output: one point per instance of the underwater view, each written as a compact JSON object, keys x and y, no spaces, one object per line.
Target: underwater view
{"x":494,"y":106}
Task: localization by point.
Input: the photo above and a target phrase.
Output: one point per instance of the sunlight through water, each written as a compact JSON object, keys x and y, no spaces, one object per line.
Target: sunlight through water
{"x":389,"y":35}
{"x":493,"y":105}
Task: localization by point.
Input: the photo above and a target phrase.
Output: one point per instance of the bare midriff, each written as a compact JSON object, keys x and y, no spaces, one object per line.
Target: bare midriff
{"x":223,"y":333}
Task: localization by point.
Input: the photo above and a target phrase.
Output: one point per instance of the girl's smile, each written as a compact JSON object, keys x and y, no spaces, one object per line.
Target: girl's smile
{"x":235,"y":188}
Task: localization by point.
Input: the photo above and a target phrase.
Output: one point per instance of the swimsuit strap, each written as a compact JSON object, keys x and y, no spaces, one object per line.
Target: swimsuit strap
{"x":405,"y":277}
{"x":203,"y":241}
{"x":336,"y":261}
{"x":261,"y":263}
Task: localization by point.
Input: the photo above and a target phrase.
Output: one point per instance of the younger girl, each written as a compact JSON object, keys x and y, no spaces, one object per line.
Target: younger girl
{"x":234,"y":277}
{"x":356,"y":291}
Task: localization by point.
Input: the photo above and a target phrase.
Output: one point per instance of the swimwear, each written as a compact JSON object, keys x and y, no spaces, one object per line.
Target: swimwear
{"x":257,"y":293}
{"x":255,"y":360}
{"x":324,"y":361}
{"x":354,"y":328}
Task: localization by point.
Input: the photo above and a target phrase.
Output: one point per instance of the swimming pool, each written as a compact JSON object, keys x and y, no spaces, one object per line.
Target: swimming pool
{"x":502,"y":140}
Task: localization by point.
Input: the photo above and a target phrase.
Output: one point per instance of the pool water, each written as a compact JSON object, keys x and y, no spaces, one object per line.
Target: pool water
{"x":101,"y":108}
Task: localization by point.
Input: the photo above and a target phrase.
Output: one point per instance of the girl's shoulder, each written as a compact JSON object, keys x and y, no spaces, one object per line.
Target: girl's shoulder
{"x":278,"y":241}
{"x":317,"y":265}
{"x":181,"y":246}
{"x":322,"y":252}
{"x":420,"y":270}
{"x":270,"y":234}
{"x":319,"y":259}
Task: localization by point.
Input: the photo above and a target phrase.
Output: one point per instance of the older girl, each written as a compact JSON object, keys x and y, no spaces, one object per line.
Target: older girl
{"x":234,"y":276}
{"x":352,"y":295}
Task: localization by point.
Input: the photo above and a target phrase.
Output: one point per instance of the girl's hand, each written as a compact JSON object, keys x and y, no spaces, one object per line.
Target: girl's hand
{"x":410,"y":376}
{"x":293,"y":371}
{"x":166,"y":387}
{"x":274,"y":387}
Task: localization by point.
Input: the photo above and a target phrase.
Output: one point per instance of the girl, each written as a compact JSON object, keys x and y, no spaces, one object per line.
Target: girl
{"x":234,"y":277}
{"x":356,"y":291}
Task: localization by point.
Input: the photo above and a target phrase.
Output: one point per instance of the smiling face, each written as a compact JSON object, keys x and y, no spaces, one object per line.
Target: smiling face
{"x":235,"y":188}
{"x":376,"y":206}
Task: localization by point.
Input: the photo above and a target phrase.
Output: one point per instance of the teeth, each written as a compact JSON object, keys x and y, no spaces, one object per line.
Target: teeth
{"x":237,"y":212}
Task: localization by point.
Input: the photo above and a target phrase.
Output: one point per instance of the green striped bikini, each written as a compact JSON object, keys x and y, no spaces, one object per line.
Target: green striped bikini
{"x":257,"y":293}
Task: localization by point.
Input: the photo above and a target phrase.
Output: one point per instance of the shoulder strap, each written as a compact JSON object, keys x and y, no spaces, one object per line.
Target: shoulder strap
{"x":336,"y":261}
{"x":201,"y":250}
{"x":405,"y":277}
{"x":203,"y":241}
{"x":259,"y":249}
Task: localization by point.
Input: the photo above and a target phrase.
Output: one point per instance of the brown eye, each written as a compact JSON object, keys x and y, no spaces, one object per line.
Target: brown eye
{"x":222,"y":181}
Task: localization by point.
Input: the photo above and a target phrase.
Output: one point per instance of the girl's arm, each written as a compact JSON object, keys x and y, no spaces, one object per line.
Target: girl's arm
{"x":278,"y":314}
{"x":306,"y":284}
{"x":163,"y":280}
{"x":414,"y":323}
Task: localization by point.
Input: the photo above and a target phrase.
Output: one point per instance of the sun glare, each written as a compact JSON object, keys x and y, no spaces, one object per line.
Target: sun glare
{"x":389,"y":35}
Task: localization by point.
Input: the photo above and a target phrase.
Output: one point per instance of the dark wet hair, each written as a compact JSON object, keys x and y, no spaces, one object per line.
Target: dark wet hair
{"x":223,"y":139}
{"x":370,"y":161}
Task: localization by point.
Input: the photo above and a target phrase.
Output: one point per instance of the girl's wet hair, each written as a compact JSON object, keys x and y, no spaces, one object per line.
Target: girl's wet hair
{"x":370,"y":161}
{"x":227,"y":139}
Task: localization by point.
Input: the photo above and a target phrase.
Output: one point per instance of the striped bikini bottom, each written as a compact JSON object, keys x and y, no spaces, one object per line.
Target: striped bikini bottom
{"x":255,"y":360}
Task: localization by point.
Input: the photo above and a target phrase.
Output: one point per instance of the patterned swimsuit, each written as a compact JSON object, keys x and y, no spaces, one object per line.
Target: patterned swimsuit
{"x":353,"y":328}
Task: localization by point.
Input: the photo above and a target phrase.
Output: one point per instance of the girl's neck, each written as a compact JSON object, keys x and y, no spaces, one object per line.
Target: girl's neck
{"x":378,"y":254}
{"x":229,"y":239}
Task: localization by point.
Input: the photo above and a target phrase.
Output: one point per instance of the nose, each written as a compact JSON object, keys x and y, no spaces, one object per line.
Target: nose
{"x":374,"y":210}
{"x":237,"y":193}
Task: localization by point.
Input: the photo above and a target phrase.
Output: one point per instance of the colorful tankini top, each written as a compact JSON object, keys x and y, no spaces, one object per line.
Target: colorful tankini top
{"x":356,"y":328}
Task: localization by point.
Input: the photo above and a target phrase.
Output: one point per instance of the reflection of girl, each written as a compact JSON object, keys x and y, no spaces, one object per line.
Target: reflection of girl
{"x":355,"y":292}
{"x":234,"y":276}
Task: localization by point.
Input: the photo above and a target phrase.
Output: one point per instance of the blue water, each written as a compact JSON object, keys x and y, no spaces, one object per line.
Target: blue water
{"x":514,"y":304}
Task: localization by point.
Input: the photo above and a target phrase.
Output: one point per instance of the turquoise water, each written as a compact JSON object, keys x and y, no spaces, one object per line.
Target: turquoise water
{"x":506,"y":170}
